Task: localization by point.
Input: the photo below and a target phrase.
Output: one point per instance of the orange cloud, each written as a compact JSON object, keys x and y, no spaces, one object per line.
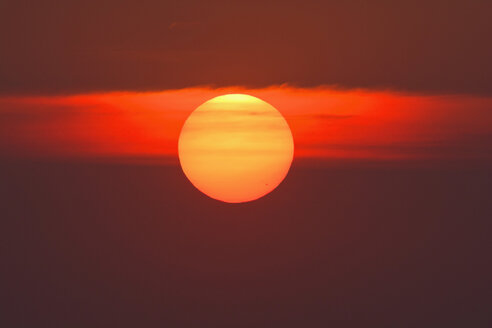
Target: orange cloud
{"x":325,"y":123}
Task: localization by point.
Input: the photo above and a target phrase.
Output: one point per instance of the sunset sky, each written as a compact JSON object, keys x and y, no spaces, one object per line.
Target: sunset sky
{"x":382,"y":221}
{"x":326,"y":123}
{"x":358,"y":80}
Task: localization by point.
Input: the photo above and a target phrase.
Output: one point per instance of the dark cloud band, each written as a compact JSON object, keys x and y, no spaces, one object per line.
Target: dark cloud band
{"x":65,"y":47}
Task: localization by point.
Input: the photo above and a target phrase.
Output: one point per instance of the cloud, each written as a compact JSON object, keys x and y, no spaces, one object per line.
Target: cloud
{"x":325,"y":124}
{"x":327,"y":117}
{"x":88,"y":46}
{"x":467,"y":147}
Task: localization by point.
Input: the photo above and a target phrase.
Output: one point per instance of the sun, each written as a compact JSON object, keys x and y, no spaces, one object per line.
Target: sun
{"x":235,"y":148}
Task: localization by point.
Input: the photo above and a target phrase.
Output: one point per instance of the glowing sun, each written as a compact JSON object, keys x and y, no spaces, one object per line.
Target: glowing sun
{"x":235,"y":148}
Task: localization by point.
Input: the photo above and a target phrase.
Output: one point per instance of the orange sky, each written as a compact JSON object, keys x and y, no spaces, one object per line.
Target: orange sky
{"x":325,"y":123}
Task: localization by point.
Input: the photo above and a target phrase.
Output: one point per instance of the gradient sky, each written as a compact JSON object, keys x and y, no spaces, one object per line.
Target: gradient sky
{"x":354,"y":79}
{"x":383,"y":220}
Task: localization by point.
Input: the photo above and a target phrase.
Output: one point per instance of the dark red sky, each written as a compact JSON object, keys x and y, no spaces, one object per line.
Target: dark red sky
{"x":82,"y":46}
